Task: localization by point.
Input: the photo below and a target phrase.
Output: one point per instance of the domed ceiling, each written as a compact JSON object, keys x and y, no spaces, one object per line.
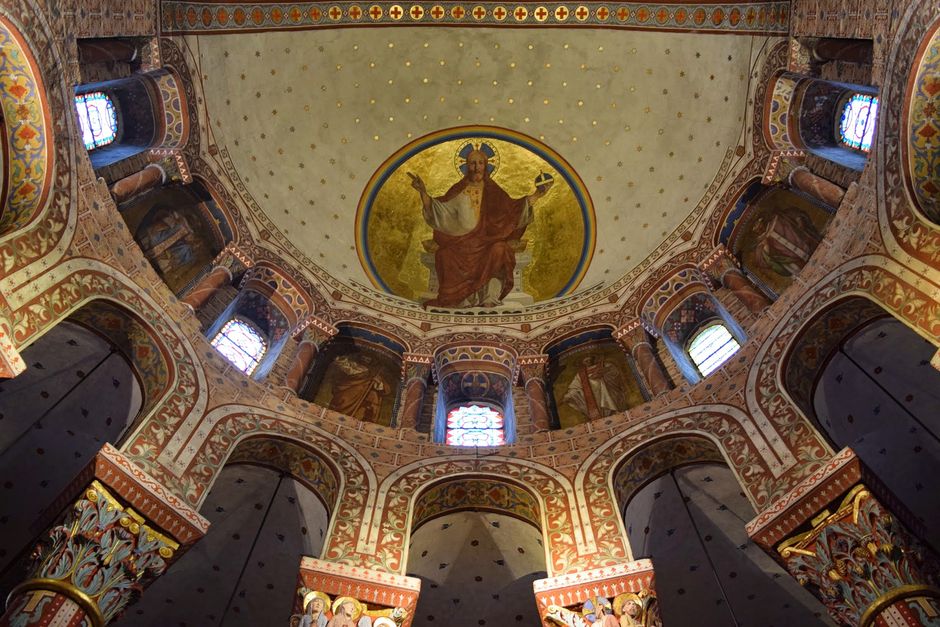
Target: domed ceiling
{"x":632,"y":127}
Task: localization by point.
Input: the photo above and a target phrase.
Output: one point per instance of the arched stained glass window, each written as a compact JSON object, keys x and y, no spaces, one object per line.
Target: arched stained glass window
{"x":97,"y":118}
{"x":475,"y":425}
{"x":711,"y":347}
{"x":241,"y":344}
{"x":857,"y":126}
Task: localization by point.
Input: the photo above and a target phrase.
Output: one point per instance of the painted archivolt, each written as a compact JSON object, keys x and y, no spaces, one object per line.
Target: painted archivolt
{"x":561,"y":531}
{"x":476,"y":495}
{"x":922,"y":123}
{"x":51,"y":220}
{"x":873,"y":277}
{"x":27,"y":166}
{"x":762,"y":17}
{"x":293,"y":459}
{"x":657,"y":458}
{"x":900,"y":223}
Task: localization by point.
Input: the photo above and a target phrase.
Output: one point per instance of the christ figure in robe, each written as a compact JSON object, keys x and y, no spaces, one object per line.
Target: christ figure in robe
{"x":476,"y":223}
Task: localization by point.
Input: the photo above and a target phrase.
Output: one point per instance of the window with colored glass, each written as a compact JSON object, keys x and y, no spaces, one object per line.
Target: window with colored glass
{"x":97,"y":119}
{"x":241,"y":344}
{"x":475,"y":425}
{"x":857,"y":125}
{"x":711,"y":347}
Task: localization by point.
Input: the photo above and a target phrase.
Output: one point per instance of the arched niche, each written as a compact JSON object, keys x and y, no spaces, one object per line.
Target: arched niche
{"x":476,"y":544}
{"x":25,"y":133}
{"x":358,"y":374}
{"x":150,"y":112}
{"x":805,"y":113}
{"x":84,"y":385}
{"x":684,"y":508}
{"x":865,"y":380}
{"x":180,"y":229}
{"x":259,"y":306}
{"x":269,"y":505}
{"x":590,"y":376}
{"x":773,"y":231}
{"x":698,"y":310}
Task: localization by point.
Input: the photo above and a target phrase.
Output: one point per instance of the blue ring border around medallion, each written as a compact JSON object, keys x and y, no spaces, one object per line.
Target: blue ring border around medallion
{"x":391,"y":165}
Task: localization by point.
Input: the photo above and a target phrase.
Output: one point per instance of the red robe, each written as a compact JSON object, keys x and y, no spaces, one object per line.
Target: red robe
{"x":466,"y":263}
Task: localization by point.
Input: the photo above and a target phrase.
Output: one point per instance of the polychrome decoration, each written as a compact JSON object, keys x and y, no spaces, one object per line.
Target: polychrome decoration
{"x":240,"y":344}
{"x":475,"y":425}
{"x":319,"y":610}
{"x":97,"y":118}
{"x":857,"y":126}
{"x":475,"y":217}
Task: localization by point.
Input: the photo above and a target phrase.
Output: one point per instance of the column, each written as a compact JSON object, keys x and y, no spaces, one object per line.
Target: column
{"x":118,"y":530}
{"x":316,"y":333}
{"x":149,"y":178}
{"x":836,"y":535}
{"x":207,"y":287}
{"x":533,"y":380}
{"x":416,"y":368}
{"x":723,"y":269}
{"x":634,"y":338}
{"x":106,"y":50}
{"x":819,"y":188}
{"x":851,"y":50}
{"x":630,"y":587}
{"x":355,"y":592}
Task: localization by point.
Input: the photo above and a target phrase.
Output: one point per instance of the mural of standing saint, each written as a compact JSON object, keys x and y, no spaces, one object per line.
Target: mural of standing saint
{"x":360,"y":390}
{"x":477,"y":227}
{"x":596,"y":390}
{"x":785,"y":240}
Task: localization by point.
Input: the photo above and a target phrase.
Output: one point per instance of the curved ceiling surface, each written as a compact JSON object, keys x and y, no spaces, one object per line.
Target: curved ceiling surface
{"x":644,"y":119}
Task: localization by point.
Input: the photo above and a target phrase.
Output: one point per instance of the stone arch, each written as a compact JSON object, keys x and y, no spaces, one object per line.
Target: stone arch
{"x":873,"y":277}
{"x":513,"y":499}
{"x":568,"y":538}
{"x":922,"y":165}
{"x":26,"y":131}
{"x":178,"y":411}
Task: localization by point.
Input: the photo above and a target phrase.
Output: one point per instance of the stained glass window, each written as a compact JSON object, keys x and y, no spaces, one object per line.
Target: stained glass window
{"x":857,"y":126}
{"x":712,"y":347}
{"x":241,"y":344}
{"x":475,"y":425}
{"x":97,"y":119}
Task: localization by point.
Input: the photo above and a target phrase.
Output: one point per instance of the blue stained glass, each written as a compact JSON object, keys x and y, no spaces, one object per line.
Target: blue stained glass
{"x":97,"y":119}
{"x":857,"y":126}
{"x":240,"y":344}
{"x":712,"y":347}
{"x":475,"y":425}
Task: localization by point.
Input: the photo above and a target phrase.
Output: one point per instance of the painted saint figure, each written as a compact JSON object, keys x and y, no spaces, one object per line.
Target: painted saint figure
{"x":785,"y":240}
{"x":167,"y":241}
{"x":476,"y":224}
{"x":359,"y":389}
{"x":596,"y":390}
{"x":315,"y":613}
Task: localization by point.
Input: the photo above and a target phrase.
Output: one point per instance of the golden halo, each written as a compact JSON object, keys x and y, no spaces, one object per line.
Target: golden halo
{"x":384,"y":621}
{"x":620,"y":599}
{"x":492,"y":160}
{"x":317,"y":594}
{"x":340,"y":601}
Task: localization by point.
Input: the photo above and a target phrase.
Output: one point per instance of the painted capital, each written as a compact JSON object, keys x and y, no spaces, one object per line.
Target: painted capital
{"x":386,"y":598}
{"x":840,"y":541}
{"x":627,"y":591}
{"x":119,"y":534}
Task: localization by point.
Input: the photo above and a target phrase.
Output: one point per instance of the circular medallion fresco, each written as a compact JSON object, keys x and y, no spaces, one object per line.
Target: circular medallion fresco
{"x":475,"y":216}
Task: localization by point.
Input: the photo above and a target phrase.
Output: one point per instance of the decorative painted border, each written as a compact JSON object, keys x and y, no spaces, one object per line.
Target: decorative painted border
{"x":557,"y":162}
{"x":211,"y":18}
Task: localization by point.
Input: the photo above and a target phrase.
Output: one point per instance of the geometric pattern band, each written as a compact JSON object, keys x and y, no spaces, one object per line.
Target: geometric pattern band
{"x":768,"y":18}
